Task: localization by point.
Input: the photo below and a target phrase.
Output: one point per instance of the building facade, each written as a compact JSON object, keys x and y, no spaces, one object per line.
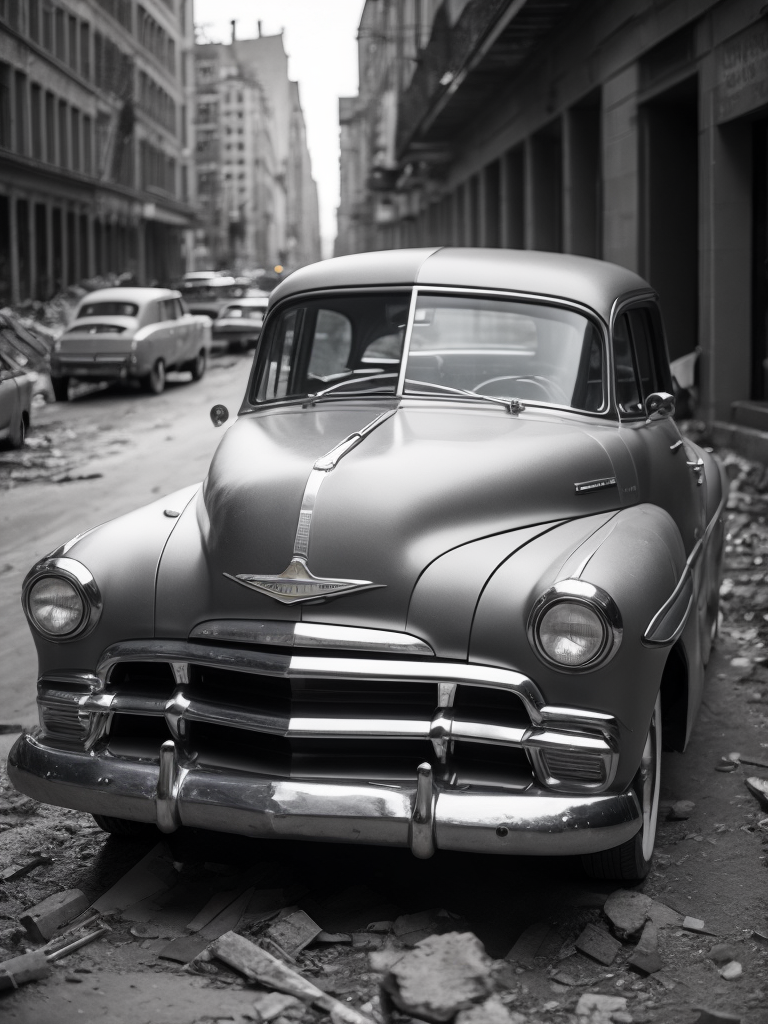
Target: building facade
{"x":636,"y":132}
{"x":258,"y":199}
{"x":95,"y":136}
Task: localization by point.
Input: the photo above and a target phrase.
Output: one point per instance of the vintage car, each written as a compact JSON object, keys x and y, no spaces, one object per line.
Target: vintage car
{"x":208,"y":298}
{"x":130,"y":334}
{"x":16,"y":386}
{"x":451,"y":582}
{"x":238,"y":325}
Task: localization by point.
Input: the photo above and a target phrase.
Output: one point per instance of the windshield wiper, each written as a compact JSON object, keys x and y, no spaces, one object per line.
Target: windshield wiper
{"x":512,"y":405}
{"x":311,"y":399}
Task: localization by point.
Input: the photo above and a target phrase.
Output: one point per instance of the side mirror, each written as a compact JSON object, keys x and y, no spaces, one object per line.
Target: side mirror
{"x":219,"y":415}
{"x":660,"y":406}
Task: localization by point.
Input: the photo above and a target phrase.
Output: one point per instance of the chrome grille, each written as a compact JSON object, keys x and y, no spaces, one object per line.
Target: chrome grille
{"x":565,"y":765}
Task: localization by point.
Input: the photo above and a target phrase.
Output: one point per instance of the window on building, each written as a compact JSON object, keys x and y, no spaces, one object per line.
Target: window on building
{"x":184,"y":140}
{"x":34,"y":20}
{"x":60,"y":41}
{"x":63,"y":160}
{"x":85,"y":49}
{"x":72,"y":41}
{"x":75,"y":139}
{"x":5,"y":106}
{"x":184,"y":183}
{"x":87,"y":145}
{"x":10,"y":13}
{"x":47,"y":12}
{"x":36,"y":110}
{"x":22,"y":128}
{"x":50,"y":128}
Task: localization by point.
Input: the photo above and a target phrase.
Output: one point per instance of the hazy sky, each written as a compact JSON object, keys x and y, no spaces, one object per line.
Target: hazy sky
{"x":320,"y":40}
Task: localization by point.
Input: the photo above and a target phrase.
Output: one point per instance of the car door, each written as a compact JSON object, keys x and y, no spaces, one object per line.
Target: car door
{"x":185,"y":333}
{"x":669,"y":471}
{"x":9,"y":399}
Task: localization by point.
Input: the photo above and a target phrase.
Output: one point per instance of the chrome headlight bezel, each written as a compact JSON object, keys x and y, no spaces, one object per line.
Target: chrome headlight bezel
{"x":76,"y":574}
{"x":598,"y":601}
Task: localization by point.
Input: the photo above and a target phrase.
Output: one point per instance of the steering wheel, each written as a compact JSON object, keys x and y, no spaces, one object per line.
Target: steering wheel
{"x":552,"y":391}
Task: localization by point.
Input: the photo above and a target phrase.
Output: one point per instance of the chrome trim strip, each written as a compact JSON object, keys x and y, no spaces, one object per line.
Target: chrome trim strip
{"x":688,"y":569}
{"x":422,"y":831}
{"x":407,"y":341}
{"x":311,"y":634}
{"x":532,"y":823}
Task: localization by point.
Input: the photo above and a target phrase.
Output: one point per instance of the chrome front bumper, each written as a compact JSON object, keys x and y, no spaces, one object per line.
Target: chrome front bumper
{"x":422,"y":816}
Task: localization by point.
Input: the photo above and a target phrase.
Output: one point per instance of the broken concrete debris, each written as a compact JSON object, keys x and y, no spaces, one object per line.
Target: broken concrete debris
{"x":731,"y":970}
{"x":758,"y":788}
{"x":628,"y":911}
{"x":695,"y":924}
{"x":598,"y":944}
{"x":595,"y":1008}
{"x":412,"y":928}
{"x":722,"y":953}
{"x":442,"y":975}
{"x":681,"y":810}
{"x":645,"y":958}
{"x":21,"y":969}
{"x":293,"y":931}
{"x":41,"y":921}
{"x":269,"y":1005}
{"x":492,"y":1011}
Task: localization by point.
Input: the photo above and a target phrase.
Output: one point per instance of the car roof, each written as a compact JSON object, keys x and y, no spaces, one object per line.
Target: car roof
{"x":594,"y":283}
{"x":137,"y":295}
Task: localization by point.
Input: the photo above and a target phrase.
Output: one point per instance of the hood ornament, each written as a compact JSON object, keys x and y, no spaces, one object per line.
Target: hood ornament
{"x":297,"y":582}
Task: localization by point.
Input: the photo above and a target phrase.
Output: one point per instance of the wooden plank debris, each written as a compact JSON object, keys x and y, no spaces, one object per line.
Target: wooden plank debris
{"x":259,"y":965}
{"x":293,"y":932}
{"x":150,"y":875}
{"x":187,"y":947}
{"x":19,"y":869}
{"x":42,"y":920}
{"x":21,"y":969}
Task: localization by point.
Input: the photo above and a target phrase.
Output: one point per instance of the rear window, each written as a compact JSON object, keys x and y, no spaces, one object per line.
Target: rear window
{"x":96,"y":329}
{"x":109,"y":309}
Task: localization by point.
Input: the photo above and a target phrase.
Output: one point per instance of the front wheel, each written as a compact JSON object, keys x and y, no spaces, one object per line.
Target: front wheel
{"x":631,"y":861}
{"x":154,"y":382}
{"x":199,"y":365}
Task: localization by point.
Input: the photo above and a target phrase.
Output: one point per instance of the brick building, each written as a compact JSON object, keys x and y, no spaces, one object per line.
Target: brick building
{"x":636,"y":132}
{"x":95,"y":137}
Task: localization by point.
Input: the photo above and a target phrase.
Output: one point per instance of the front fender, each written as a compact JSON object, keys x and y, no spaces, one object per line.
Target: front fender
{"x":123,"y":556}
{"x":637,"y":557}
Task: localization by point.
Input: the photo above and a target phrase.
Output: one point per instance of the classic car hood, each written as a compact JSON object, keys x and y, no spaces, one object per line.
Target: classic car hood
{"x":430,"y":478}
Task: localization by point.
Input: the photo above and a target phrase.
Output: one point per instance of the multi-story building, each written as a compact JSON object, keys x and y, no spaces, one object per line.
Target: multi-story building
{"x":95,"y":137}
{"x":635,"y":131}
{"x":257,"y":197}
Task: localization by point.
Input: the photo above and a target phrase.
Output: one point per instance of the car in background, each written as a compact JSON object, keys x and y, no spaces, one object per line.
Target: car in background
{"x":121,"y":334}
{"x":16,"y":386}
{"x":207,"y":298}
{"x":238,"y":325}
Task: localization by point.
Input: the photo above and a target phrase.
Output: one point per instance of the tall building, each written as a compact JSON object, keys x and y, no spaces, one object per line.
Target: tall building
{"x":258,"y":199}
{"x":636,"y":132}
{"x":95,"y":137}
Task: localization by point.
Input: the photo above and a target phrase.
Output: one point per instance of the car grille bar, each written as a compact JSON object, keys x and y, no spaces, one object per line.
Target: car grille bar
{"x":299,"y":698}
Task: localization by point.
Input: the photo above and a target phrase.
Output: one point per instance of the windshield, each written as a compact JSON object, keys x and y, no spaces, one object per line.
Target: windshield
{"x":109,"y":309}
{"x":206,"y":292}
{"x":492,"y":348}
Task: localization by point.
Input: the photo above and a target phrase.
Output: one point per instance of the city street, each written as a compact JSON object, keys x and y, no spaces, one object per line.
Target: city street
{"x":709,"y":866}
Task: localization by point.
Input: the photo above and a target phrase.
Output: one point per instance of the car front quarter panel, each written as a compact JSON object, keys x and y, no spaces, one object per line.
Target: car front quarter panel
{"x":122,"y":556}
{"x":636,"y":558}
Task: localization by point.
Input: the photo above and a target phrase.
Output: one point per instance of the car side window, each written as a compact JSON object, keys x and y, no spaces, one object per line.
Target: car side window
{"x":152,"y":314}
{"x":642,"y":340}
{"x":627,"y":386}
{"x":276,"y":378}
{"x":331,"y":344}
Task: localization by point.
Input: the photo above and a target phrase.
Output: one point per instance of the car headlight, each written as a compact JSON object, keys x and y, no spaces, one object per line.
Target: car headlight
{"x":61,"y":599}
{"x":575,"y":626}
{"x":56,"y":605}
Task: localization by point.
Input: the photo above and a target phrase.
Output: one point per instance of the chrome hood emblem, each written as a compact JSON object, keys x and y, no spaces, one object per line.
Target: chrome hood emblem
{"x":297,"y":582}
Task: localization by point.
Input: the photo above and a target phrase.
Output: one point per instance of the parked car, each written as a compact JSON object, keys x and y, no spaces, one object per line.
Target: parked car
{"x":16,"y":386}
{"x":451,"y":582}
{"x":238,"y":325}
{"x":208,"y":297}
{"x":130,"y":334}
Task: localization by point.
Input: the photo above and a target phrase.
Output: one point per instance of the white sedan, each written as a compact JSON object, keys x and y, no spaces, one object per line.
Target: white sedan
{"x":130,"y":333}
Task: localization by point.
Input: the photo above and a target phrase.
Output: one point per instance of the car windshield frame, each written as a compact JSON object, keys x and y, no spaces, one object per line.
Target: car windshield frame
{"x":253,"y":402}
